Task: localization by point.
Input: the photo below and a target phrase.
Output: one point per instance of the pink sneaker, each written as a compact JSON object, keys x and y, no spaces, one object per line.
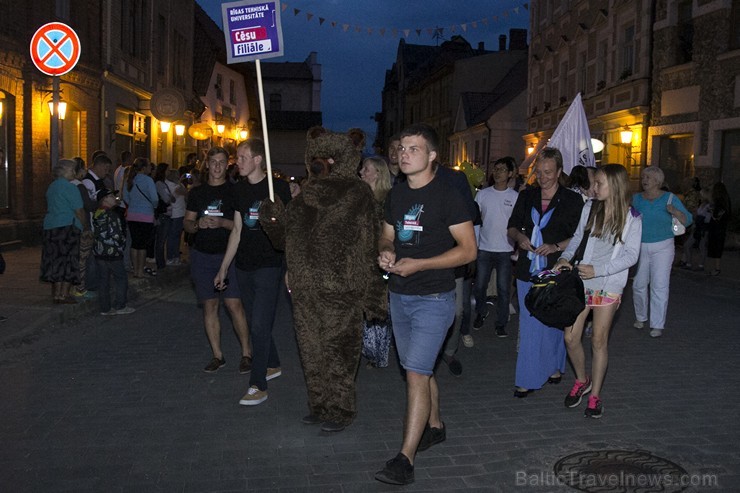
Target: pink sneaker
{"x":594,"y":408}
{"x":576,"y":393}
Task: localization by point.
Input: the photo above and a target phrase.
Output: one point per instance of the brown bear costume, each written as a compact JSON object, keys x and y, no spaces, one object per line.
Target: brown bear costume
{"x":330,"y":233}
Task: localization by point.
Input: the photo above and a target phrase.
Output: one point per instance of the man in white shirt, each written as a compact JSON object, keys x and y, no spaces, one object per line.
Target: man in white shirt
{"x":495,"y":247}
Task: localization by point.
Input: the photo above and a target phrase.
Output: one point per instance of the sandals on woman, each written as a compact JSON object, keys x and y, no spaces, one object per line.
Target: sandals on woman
{"x":150,"y":271}
{"x":715,"y":272}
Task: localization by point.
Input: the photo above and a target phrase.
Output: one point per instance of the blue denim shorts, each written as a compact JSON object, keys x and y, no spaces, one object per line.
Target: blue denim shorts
{"x":420,"y":325}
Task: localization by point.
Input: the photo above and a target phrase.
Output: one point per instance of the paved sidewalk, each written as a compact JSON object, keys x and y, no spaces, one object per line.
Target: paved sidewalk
{"x":122,"y":404}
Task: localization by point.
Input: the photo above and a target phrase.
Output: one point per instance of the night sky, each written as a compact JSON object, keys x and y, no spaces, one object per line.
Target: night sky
{"x":354,"y":63}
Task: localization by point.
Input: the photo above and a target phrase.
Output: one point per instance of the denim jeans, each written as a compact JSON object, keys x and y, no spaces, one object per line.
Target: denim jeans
{"x":161,"y":234}
{"x":487,"y":261}
{"x":420,"y":324}
{"x":461,"y":325}
{"x":259,"y":293}
{"x":173,"y":238}
{"x":106,"y":269}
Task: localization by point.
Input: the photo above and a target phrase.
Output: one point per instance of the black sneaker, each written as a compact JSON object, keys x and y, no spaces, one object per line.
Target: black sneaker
{"x":332,"y":426}
{"x":398,"y":470}
{"x":576,"y":393}
{"x":214,"y":365}
{"x":432,"y":436}
{"x":501,"y":332}
{"x":454,"y":365}
{"x":311,"y":419}
{"x":478,"y":322}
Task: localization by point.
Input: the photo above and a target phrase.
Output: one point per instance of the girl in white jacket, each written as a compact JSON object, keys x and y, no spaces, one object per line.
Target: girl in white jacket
{"x":615,"y":231}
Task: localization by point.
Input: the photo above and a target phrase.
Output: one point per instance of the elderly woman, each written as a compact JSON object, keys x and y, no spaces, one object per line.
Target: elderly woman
{"x":658,"y":208}
{"x":542,"y":223}
{"x":63,"y":224}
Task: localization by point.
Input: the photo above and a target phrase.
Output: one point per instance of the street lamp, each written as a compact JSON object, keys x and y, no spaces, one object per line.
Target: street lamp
{"x":1,"y":109}
{"x":62,"y":109}
{"x":165,"y":126}
{"x":243,"y":133}
{"x":179,"y":129}
{"x":625,"y":135}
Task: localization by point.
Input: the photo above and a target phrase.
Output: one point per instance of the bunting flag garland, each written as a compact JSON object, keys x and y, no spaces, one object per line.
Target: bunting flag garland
{"x":432,"y":32}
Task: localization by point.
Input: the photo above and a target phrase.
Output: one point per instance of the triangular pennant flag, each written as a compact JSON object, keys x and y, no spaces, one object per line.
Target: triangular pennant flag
{"x":321,"y":20}
{"x":464,"y":27}
{"x":430,"y":31}
{"x":333,"y":23}
{"x":296,"y":11}
{"x":453,"y":28}
{"x":358,"y":29}
{"x":418,"y":32}
{"x":283,"y":7}
{"x":506,"y":14}
{"x":516,"y":10}
{"x":526,"y":6}
{"x":474,"y":24}
{"x":406,"y":32}
{"x":394,"y":31}
{"x":382,"y":31}
{"x":485,"y":21}
{"x":370,"y":30}
{"x":345,"y":27}
{"x":495,"y":18}
{"x":309,"y":16}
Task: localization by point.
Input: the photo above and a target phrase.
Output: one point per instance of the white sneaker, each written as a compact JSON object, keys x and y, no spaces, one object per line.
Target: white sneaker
{"x":108,"y":313}
{"x":253,"y":396}
{"x":273,"y":373}
{"x":125,"y":310}
{"x":656,"y":332}
{"x":638,"y":324}
{"x":468,"y":340}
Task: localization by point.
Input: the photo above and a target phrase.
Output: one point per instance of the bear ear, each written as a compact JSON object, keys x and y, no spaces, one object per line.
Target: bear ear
{"x":314,"y":132}
{"x":357,"y":136}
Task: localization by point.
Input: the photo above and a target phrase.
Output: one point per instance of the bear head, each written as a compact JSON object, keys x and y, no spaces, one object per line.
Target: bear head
{"x":333,"y":154}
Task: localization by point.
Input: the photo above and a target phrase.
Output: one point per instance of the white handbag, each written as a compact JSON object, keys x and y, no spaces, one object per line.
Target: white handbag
{"x":677,"y":226}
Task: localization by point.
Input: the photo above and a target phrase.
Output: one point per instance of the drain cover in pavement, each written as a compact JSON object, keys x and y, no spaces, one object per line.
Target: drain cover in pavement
{"x":620,"y":470}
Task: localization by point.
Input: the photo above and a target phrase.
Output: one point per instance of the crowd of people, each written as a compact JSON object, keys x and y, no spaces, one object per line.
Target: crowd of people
{"x":441,"y":248}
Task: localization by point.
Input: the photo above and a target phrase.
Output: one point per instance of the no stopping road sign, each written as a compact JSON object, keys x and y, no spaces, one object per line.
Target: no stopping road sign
{"x":55,"y":48}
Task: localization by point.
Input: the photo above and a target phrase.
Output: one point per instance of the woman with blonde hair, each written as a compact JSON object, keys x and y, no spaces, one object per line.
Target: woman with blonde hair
{"x":375,"y":173}
{"x":613,"y":231}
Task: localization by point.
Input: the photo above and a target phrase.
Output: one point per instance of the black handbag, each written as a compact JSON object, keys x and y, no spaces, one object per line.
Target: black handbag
{"x":556,"y":298}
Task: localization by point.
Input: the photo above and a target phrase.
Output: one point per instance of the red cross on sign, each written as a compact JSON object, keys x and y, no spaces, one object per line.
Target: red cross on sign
{"x":55,"y":48}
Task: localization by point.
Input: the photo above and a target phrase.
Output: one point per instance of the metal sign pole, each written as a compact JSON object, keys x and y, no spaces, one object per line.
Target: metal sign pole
{"x":264,"y":129}
{"x":55,"y":121}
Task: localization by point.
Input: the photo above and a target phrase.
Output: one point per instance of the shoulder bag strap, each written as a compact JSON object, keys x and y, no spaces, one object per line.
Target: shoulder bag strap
{"x":584,"y":240}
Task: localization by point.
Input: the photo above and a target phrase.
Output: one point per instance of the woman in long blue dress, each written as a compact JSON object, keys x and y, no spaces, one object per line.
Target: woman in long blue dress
{"x":542,"y":223}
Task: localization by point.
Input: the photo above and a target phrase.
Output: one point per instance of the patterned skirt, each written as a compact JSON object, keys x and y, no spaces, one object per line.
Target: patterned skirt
{"x":60,"y":255}
{"x":601,"y":298}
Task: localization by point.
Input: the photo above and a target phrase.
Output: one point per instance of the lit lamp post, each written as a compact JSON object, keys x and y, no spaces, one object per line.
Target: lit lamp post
{"x":57,"y":128}
{"x":625,"y":137}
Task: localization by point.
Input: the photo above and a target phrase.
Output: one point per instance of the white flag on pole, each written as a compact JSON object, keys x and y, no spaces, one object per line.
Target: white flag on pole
{"x":573,"y":138}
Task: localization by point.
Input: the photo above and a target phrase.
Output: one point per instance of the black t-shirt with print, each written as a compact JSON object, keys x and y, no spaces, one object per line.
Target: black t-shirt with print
{"x":255,"y":249}
{"x":213,"y":201}
{"x":421,"y":219}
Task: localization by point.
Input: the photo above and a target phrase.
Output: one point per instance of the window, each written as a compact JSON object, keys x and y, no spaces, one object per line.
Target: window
{"x":179,"y":60}
{"x":276,"y":102}
{"x":735,"y":25}
{"x":548,"y":90}
{"x":219,"y":87}
{"x":161,"y":44}
{"x":232,"y":92}
{"x":628,"y":51}
{"x":582,"y":71}
{"x":601,"y":67}
{"x":563,"y":89}
{"x":134,"y":28}
{"x":685,"y":47}
{"x":62,"y":9}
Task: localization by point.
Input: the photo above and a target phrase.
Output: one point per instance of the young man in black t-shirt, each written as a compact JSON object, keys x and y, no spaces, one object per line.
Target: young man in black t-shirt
{"x":427,"y":232}
{"x":259,"y":267}
{"x":209,"y":217}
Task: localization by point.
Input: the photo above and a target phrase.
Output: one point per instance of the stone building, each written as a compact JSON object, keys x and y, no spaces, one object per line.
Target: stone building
{"x":425,"y":84}
{"x":601,"y":49}
{"x":695,"y":124}
{"x":130,"y":51}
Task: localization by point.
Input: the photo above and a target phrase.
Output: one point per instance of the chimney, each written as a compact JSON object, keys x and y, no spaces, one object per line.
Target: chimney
{"x":518,"y":39}
{"x":481,"y":46}
{"x":502,"y":42}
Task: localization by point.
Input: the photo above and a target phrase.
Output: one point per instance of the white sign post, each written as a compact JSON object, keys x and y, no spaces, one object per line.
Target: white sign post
{"x":253,"y":31}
